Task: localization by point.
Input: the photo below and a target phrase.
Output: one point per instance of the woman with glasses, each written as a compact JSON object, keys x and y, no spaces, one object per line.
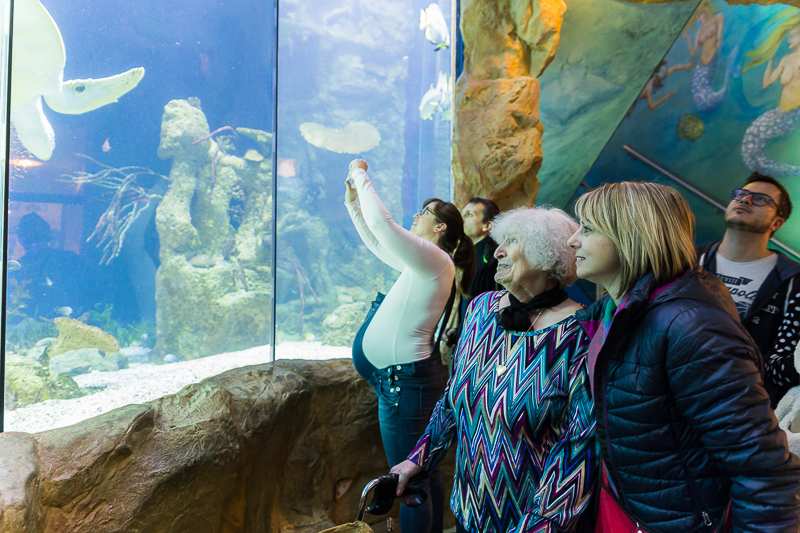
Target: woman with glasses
{"x":687,"y":438}
{"x":396,"y":349}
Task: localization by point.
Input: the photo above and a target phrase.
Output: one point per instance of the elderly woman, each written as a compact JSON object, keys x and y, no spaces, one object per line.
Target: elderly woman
{"x":683,"y":421}
{"x":517,"y":404}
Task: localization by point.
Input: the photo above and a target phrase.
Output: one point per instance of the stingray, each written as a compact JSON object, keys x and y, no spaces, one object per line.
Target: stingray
{"x":37,"y":71}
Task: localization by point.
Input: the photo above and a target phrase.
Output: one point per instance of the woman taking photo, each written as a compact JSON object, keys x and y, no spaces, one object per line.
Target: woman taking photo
{"x":518,"y":404}
{"x":395,"y":348}
{"x":683,"y":421}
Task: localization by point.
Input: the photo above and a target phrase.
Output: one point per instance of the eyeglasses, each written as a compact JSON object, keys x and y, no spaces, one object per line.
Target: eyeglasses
{"x":428,"y":210}
{"x":758,"y":198}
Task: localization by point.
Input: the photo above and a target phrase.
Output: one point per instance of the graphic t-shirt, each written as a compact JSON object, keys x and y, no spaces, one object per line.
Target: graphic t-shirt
{"x":744,"y":279}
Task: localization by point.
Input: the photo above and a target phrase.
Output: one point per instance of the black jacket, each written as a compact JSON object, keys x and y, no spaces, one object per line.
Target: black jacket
{"x":483,"y":281}
{"x":683,"y":420}
{"x":765,"y":317}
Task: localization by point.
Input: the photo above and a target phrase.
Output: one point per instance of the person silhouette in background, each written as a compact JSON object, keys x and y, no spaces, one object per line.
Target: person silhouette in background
{"x":55,"y":280}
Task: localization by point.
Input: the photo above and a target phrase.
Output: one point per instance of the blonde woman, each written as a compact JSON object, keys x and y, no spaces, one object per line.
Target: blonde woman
{"x":786,"y":117}
{"x":683,"y":421}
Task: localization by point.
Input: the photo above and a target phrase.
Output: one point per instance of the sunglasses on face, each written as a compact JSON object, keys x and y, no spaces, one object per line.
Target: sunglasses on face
{"x":757,"y":198}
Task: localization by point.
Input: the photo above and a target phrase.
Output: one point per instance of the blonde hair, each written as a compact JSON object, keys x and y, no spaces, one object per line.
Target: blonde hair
{"x":651,"y":225}
{"x":542,"y":233}
{"x":767,"y":49}
{"x":706,"y":8}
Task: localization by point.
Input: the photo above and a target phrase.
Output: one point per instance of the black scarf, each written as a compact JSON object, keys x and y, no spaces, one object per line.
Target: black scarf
{"x":516,"y":317}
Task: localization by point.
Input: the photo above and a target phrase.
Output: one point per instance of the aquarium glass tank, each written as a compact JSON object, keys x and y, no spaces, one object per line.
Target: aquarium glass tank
{"x":369,"y":80}
{"x":176,"y":186}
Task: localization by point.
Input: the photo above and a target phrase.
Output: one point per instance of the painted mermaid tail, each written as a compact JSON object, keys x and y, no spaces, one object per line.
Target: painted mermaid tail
{"x":705,"y":98}
{"x":772,"y":124}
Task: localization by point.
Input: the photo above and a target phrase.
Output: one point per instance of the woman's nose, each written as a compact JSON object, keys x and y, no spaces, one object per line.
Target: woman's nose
{"x":572,"y":242}
{"x":500,"y":252}
{"x":416,"y":215}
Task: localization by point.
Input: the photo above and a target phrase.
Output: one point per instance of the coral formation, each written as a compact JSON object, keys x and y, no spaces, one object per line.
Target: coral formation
{"x":212,"y":288}
{"x":29,"y":382}
{"x":355,"y":138}
{"x":74,"y":335}
{"x":340,"y":327}
{"x":129,"y":200}
{"x":85,"y":360}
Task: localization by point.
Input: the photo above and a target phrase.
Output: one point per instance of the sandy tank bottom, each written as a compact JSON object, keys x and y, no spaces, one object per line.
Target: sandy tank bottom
{"x":145,"y":382}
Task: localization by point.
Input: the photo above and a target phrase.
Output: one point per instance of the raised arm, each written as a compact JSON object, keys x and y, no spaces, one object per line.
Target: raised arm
{"x":692,"y":45}
{"x":369,"y":240}
{"x":570,"y":471}
{"x":415,"y":252}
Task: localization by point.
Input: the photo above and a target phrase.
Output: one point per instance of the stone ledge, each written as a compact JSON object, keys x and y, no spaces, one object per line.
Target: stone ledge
{"x":285,"y":446}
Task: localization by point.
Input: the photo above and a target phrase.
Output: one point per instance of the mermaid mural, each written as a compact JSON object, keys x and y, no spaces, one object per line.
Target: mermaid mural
{"x":786,"y":117}
{"x":709,"y":40}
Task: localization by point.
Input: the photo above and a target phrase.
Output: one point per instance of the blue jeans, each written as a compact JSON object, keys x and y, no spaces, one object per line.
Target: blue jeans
{"x":407,"y":395}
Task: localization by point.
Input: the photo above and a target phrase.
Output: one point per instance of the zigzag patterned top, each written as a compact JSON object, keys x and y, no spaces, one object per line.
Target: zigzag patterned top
{"x":525,"y":453}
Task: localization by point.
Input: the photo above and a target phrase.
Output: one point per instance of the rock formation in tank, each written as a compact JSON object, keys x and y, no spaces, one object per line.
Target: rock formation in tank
{"x":212,"y":290}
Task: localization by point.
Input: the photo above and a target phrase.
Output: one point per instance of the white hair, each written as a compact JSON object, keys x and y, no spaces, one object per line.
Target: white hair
{"x":542,"y":233}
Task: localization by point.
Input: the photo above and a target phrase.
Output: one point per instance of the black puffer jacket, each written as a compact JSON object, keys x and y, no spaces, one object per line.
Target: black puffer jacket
{"x":683,"y":420}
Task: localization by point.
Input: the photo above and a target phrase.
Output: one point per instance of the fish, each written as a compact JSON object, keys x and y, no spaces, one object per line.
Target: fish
{"x":690,"y":127}
{"x":48,"y":281}
{"x":432,"y":21}
{"x":64,"y":310}
{"x":286,"y":168}
{"x":12,"y":265}
{"x":171,"y":358}
{"x":106,"y":146}
{"x":435,"y":99}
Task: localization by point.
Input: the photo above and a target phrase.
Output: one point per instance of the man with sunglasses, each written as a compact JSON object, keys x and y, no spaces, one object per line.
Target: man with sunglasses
{"x":764,"y":284}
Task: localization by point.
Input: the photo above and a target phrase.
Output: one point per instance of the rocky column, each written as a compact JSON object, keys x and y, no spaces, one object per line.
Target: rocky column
{"x":497,"y":144}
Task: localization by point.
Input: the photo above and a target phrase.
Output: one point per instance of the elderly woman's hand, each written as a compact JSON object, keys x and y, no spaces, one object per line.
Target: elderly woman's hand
{"x":405,"y":472}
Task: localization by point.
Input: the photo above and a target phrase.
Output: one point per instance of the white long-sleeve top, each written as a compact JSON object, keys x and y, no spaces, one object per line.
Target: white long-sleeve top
{"x":401,"y":330}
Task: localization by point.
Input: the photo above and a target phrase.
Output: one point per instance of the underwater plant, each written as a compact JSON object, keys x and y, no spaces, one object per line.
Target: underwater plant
{"x":141,"y":333}
{"x":128,"y":201}
{"x":17,"y":294}
{"x":302,"y":277}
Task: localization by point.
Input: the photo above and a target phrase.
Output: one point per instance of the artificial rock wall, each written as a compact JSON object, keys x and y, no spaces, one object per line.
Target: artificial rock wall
{"x":286,"y":446}
{"x":497,"y":142}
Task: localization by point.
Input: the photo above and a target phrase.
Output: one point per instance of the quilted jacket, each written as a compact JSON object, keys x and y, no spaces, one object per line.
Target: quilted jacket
{"x":683,"y":421}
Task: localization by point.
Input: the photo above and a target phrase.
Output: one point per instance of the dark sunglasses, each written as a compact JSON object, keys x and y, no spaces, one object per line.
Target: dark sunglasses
{"x":758,"y":198}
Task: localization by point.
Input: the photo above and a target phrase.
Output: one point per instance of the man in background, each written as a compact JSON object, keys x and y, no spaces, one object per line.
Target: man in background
{"x":478,"y":215}
{"x":53,"y":282}
{"x":764,"y":284}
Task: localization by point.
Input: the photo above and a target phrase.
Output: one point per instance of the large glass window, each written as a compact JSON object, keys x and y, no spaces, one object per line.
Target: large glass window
{"x":140,"y":201}
{"x":142,"y":169}
{"x":356,"y":80}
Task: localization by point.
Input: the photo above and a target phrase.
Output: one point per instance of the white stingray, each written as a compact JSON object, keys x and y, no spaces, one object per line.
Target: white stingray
{"x":37,"y":71}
